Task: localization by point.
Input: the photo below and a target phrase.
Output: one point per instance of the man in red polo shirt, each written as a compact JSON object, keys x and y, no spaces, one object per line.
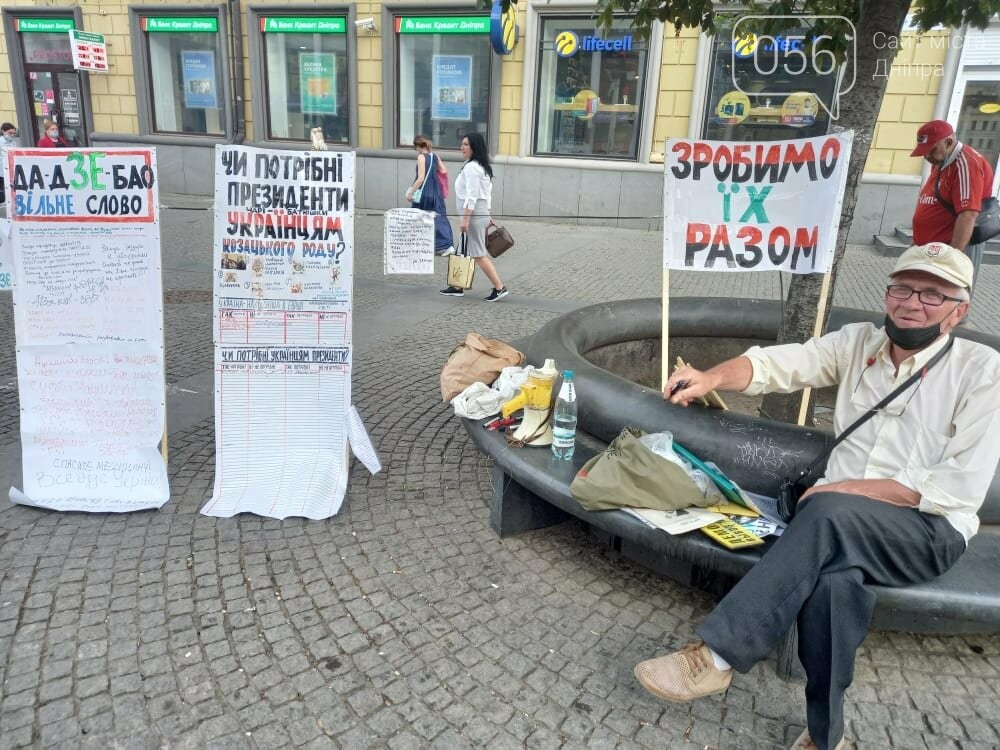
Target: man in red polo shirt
{"x":950,"y":200}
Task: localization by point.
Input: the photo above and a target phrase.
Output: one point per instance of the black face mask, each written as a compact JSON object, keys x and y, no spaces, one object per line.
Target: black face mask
{"x":911,"y":338}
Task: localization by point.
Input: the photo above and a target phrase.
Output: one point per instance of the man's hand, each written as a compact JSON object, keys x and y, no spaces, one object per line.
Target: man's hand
{"x":884,"y":490}
{"x":965,"y":222}
{"x":687,"y":383}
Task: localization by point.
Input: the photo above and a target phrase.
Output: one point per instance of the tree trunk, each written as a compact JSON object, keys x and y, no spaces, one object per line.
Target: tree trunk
{"x":859,"y":110}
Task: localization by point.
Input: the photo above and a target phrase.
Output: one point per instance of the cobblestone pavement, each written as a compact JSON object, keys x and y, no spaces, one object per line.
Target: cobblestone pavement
{"x":404,"y":622}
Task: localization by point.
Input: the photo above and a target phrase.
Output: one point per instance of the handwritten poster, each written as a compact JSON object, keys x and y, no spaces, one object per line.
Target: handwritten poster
{"x":451,"y":87}
{"x":88,"y":317}
{"x":753,"y":206}
{"x":408,"y":241}
{"x":284,"y":269}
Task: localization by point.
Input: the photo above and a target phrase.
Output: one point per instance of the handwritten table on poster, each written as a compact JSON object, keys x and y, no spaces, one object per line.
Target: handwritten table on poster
{"x":264,"y":327}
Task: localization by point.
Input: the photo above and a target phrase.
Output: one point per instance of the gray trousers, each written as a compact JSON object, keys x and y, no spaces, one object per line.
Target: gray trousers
{"x":815,"y":575}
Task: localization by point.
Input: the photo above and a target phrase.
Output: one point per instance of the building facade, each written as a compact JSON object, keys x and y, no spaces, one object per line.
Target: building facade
{"x":577,"y":117}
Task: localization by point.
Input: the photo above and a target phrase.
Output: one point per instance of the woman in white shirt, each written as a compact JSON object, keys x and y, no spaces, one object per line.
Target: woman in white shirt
{"x":473,"y":193}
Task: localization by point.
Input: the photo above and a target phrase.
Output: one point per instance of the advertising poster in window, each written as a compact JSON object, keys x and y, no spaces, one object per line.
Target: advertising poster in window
{"x":752,"y":206}
{"x":88,"y":320}
{"x":283,"y":277}
{"x":198,"y":79}
{"x":451,"y":87}
{"x":318,"y":79}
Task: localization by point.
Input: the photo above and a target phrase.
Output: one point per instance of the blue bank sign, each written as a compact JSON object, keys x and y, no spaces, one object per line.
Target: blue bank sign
{"x":568,"y":43}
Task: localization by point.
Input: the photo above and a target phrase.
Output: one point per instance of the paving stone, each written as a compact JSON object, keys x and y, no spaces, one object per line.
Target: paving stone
{"x":404,"y":621}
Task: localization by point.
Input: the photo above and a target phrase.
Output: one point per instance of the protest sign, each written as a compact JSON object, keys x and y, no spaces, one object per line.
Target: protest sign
{"x":753,"y":206}
{"x":88,"y":316}
{"x":408,"y":241}
{"x":283,"y":270}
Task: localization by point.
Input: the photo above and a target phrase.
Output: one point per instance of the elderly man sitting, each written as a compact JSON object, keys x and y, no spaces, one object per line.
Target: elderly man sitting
{"x":896,"y":506}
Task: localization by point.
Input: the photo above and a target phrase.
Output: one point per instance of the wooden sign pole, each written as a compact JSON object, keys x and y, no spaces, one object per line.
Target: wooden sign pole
{"x":824,"y":294}
{"x":665,"y":334}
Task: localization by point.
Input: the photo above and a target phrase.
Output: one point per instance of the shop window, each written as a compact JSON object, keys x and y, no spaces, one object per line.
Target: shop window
{"x":590,"y":89}
{"x":767,"y":102}
{"x":186,"y":65}
{"x":305,"y":66}
{"x":444,"y":78}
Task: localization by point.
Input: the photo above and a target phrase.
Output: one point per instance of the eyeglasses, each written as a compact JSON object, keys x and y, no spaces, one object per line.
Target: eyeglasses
{"x":927,"y":297}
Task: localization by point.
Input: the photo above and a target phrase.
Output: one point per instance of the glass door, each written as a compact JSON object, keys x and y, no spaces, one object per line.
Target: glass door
{"x":56,"y":96}
{"x":975,"y":114}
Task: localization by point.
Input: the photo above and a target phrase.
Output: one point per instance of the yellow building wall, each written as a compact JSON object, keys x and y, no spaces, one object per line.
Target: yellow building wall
{"x":677,"y":80}
{"x":910,"y":95}
{"x":909,"y":100}
{"x":512,"y":71}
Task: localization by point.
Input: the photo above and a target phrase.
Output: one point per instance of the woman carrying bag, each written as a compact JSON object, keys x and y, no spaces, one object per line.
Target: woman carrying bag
{"x":426,"y":193}
{"x":473,"y":193}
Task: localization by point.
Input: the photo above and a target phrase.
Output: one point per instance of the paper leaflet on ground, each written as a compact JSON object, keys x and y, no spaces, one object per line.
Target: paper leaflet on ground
{"x":284,"y":276}
{"x":408,"y":241}
{"x":88,"y":316}
{"x":676,"y":521}
{"x":361,"y":442}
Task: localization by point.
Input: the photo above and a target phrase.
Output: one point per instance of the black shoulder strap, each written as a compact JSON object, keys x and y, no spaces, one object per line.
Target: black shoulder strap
{"x":937,"y":194}
{"x":820,"y":459}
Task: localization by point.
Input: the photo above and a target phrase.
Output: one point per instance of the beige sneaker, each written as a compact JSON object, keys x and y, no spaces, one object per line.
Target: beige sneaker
{"x":685,"y":675}
{"x":804,"y":742}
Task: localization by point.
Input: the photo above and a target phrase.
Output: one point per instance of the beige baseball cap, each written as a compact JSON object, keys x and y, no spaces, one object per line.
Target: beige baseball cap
{"x":937,"y":259}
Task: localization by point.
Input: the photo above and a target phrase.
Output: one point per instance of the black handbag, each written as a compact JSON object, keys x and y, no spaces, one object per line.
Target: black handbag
{"x":987,"y":221}
{"x":790,"y":490}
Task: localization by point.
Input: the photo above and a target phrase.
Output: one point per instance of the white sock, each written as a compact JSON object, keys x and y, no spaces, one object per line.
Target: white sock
{"x":720,"y":663}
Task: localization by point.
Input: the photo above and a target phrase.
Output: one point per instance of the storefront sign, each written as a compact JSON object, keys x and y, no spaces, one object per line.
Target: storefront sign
{"x":198,"y":67}
{"x":152,"y":23}
{"x":568,"y":44}
{"x":303,"y":25}
{"x":503,"y":28}
{"x":317,"y":77}
{"x":89,"y":51}
{"x":44,"y":25}
{"x":747,"y":45}
{"x":443,"y":25}
{"x":451,"y":89}
{"x":753,"y":206}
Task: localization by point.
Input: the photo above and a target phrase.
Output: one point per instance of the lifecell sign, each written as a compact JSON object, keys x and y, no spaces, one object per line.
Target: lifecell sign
{"x":753,"y":206}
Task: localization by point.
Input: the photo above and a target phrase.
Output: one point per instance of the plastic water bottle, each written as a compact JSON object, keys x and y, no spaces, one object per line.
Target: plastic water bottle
{"x":564,"y":420}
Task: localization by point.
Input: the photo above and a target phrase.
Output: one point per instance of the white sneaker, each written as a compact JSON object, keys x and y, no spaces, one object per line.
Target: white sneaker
{"x":446,"y":252}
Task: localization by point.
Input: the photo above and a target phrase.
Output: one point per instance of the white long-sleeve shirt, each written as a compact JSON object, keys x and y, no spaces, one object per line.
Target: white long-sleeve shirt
{"x":473,"y":184}
{"x":939,"y":437}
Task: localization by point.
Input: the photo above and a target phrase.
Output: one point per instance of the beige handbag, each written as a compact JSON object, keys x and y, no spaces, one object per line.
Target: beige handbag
{"x":477,"y":360}
{"x":461,"y":268}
